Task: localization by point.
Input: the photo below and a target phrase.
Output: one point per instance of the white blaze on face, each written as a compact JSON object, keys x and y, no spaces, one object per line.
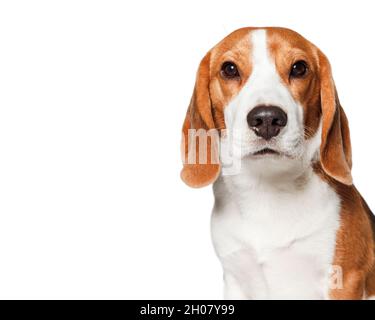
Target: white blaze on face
{"x":265,"y":87}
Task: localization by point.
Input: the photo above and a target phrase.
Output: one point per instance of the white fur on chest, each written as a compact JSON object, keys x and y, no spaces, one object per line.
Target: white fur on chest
{"x":275,"y":241}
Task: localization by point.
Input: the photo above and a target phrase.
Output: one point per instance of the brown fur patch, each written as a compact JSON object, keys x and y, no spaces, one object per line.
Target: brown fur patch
{"x":355,"y":252}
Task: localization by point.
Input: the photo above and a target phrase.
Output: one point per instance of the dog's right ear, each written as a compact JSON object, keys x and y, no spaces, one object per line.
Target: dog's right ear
{"x":199,"y":137}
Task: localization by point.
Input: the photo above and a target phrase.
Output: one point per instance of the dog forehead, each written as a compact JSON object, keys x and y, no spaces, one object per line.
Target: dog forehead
{"x":279,"y":41}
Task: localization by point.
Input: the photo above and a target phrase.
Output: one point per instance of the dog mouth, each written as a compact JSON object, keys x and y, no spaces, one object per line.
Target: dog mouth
{"x":266,"y":151}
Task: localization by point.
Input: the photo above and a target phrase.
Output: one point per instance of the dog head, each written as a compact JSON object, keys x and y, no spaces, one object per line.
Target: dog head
{"x":272,"y":91}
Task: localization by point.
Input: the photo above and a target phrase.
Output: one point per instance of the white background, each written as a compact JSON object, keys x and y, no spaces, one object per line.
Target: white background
{"x":92,"y":99}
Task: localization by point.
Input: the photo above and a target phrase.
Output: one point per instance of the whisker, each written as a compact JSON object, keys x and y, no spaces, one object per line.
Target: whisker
{"x":309,"y":132}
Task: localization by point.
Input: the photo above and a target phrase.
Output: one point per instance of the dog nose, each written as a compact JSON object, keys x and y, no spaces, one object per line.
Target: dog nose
{"x":267,"y":121}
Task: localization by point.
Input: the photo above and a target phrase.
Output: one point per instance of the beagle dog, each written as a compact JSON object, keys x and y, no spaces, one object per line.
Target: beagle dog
{"x":266,"y":128}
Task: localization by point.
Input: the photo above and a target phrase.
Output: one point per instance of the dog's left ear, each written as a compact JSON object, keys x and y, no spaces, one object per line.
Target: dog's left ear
{"x":335,"y":149}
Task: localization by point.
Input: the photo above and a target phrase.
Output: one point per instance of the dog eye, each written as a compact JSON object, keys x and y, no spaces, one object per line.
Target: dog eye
{"x":229,"y":70}
{"x":299,"y":69}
